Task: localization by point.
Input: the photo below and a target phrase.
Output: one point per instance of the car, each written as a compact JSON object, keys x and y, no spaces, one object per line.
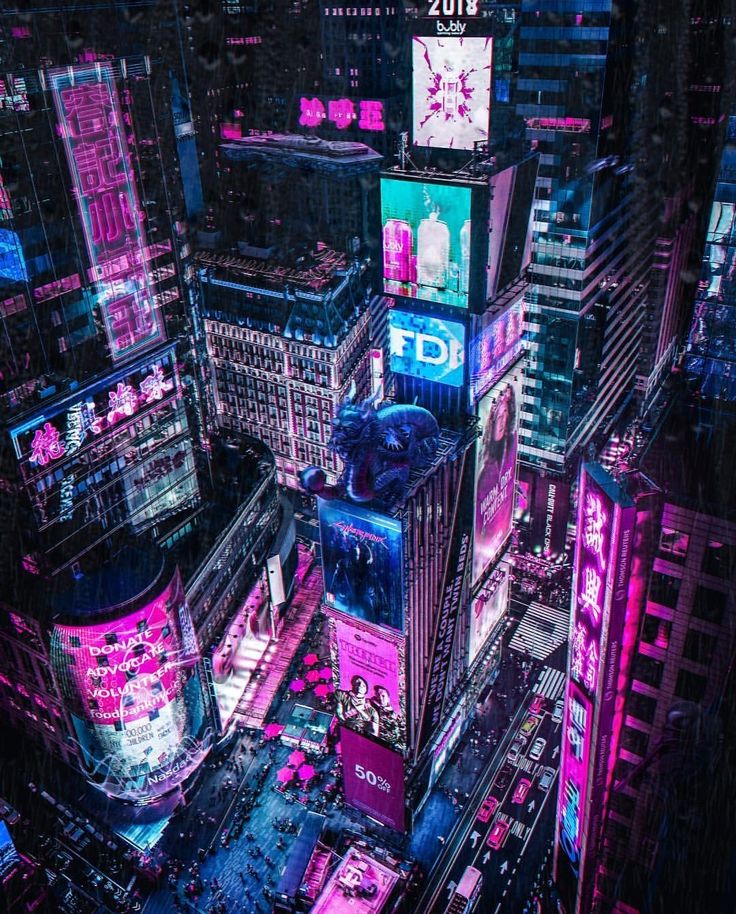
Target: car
{"x":530,"y":725}
{"x":545,"y":781}
{"x":535,"y":753}
{"x":558,"y":711}
{"x":487,"y":808}
{"x":522,"y":789}
{"x":498,"y":834}
{"x":503,"y":778}
{"x":537,"y":704}
{"x":514,"y":753}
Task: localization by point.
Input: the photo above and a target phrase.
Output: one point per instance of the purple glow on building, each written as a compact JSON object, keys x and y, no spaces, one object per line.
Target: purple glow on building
{"x":91,"y":125}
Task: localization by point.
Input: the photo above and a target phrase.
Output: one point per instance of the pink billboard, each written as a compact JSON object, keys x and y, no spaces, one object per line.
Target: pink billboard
{"x":495,"y":471}
{"x":368,"y":672}
{"x":94,"y":132}
{"x":487,"y":610}
{"x":135,"y":696}
{"x":373,"y":778}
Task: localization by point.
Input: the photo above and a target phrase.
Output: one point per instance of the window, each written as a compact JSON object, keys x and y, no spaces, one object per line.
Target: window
{"x":623,"y":804}
{"x":709,"y":605}
{"x":634,"y":741}
{"x":719,"y":559}
{"x":647,"y":670}
{"x":673,"y":545}
{"x":664,"y":588}
{"x":690,"y":686}
{"x":642,"y":707}
{"x":699,"y":647}
{"x":656,"y":631}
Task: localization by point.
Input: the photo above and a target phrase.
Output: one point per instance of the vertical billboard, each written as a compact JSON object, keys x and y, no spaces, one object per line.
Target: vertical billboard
{"x":95,"y":140}
{"x":451,"y":89}
{"x":495,"y":471}
{"x":549,"y":516}
{"x":9,"y":856}
{"x":373,"y":777}
{"x":601,"y":584}
{"x":427,"y":229}
{"x":368,"y":672}
{"x":136,"y":699}
{"x":487,"y":610}
{"x":498,"y":345}
{"x":362,"y":560}
{"x":426,"y":347}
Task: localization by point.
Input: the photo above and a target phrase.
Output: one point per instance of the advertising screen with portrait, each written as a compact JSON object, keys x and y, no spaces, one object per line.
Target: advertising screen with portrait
{"x":373,"y":779}
{"x":451,"y":87}
{"x":487,"y":610}
{"x":368,"y":672}
{"x":426,"y":347}
{"x":495,"y":470}
{"x":362,"y":563}
{"x":426,"y":240}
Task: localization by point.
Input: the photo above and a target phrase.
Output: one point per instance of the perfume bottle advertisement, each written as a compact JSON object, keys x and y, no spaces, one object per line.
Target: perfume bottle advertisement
{"x":426,"y":239}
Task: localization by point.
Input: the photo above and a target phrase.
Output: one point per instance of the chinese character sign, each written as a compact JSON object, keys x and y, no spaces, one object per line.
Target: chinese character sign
{"x":91,"y":125}
{"x":576,"y":742}
{"x":342,"y":113}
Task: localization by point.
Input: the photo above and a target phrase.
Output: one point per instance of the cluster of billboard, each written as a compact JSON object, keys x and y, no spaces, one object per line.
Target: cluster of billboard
{"x":426,"y":347}
{"x":94,"y":133}
{"x":451,"y":86}
{"x":135,"y":696}
{"x":495,"y":471}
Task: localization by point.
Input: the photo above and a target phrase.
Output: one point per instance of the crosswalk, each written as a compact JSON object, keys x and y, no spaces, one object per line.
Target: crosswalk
{"x":541,"y":631}
{"x":551,"y":684}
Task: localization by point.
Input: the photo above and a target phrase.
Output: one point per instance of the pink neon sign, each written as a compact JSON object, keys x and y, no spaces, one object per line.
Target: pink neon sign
{"x":342,"y":113}
{"x":91,"y":125}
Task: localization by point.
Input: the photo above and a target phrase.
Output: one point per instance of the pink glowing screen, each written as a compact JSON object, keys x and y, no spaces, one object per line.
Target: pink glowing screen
{"x":497,"y":345}
{"x":342,"y":113}
{"x":94,"y":134}
{"x":373,"y":779}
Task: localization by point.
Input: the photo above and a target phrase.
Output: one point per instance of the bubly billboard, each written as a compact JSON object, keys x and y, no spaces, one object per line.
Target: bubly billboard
{"x":133,"y":688}
{"x":426,"y":347}
{"x":496,"y":347}
{"x":373,"y":778}
{"x":368,"y":672}
{"x":426,"y":240}
{"x":487,"y":610}
{"x":362,"y":563}
{"x":451,"y":87}
{"x":495,"y":471}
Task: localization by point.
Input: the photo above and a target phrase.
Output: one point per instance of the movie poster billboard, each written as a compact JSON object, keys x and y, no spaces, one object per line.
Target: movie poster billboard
{"x":135,"y":696}
{"x":373,"y":777}
{"x":426,"y":227}
{"x":495,"y":471}
{"x":368,"y":673}
{"x":362,"y":563}
{"x":451,"y":88}
{"x":487,"y":610}
{"x":426,"y":347}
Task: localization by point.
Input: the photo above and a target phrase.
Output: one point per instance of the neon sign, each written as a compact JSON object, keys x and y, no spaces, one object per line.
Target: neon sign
{"x":91,"y":124}
{"x":342,"y":113}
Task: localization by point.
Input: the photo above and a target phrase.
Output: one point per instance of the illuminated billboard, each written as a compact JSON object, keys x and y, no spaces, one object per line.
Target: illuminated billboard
{"x":487,"y":610}
{"x":426,"y":228}
{"x":426,"y":347}
{"x":9,"y":856}
{"x":135,"y":695}
{"x":496,"y":347}
{"x":362,"y":563}
{"x":373,"y":777}
{"x":495,"y":471}
{"x":99,"y":158}
{"x":451,"y":88}
{"x":369,"y":675}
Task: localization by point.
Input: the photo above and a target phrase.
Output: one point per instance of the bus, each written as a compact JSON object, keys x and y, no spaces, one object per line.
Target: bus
{"x":467,"y":894}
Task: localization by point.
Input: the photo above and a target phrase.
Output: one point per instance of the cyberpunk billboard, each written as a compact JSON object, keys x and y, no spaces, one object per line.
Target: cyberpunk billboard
{"x":451,"y":86}
{"x":426,"y":240}
{"x":135,"y":695}
{"x":362,"y":563}
{"x":487,"y":610}
{"x":373,"y":778}
{"x":495,"y":471}
{"x":496,"y":347}
{"x":368,"y":673}
{"x":426,"y":347}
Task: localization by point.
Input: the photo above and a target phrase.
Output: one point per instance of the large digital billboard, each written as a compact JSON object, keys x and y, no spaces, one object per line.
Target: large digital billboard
{"x":496,"y":347}
{"x":135,"y":695}
{"x":9,"y":856}
{"x":487,"y":610}
{"x":369,"y":676}
{"x":426,"y":229}
{"x":495,"y":471}
{"x":373,"y":777}
{"x":362,"y":563}
{"x":451,"y":87}
{"x":426,"y":347}
{"x":102,"y":169}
